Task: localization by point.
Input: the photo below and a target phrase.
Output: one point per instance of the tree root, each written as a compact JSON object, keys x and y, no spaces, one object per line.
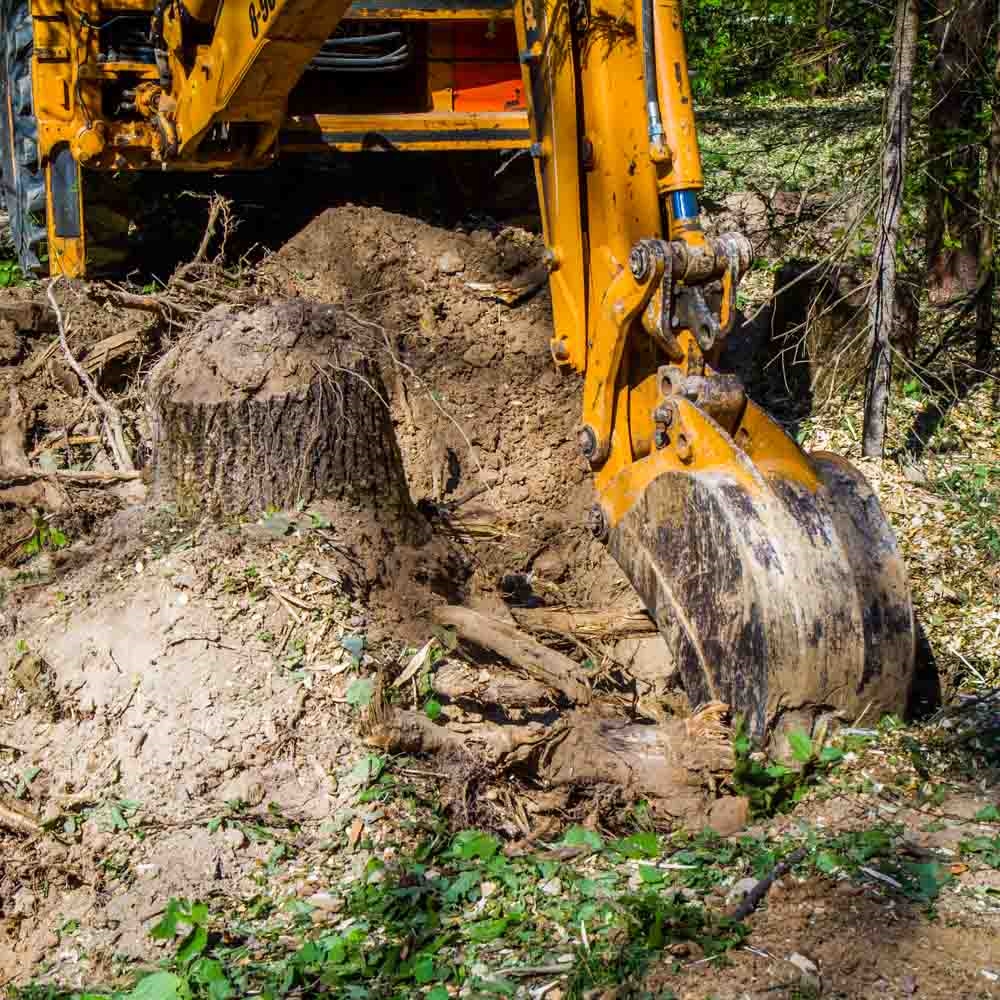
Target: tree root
{"x":538,"y":661}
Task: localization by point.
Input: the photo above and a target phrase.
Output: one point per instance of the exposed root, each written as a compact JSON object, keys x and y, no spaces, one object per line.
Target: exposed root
{"x":113,"y":424}
{"x":538,"y":661}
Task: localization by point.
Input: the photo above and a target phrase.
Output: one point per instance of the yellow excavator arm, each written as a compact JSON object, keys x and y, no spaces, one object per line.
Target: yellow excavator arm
{"x":772,"y":574}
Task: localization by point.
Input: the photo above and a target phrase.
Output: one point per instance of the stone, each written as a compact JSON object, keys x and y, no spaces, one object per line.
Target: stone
{"x":809,"y":971}
{"x":739,"y":889}
{"x":235,"y":837}
{"x":729,"y":815}
{"x":450,"y":263}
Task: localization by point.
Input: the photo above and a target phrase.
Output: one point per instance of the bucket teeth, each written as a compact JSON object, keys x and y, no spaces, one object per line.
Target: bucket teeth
{"x":772,"y":597}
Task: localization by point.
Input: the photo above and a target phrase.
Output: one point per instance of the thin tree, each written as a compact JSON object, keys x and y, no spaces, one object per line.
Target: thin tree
{"x":990,"y":214}
{"x":959,"y":32}
{"x":899,"y":106}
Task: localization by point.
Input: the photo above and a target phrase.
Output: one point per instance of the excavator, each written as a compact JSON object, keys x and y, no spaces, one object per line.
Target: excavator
{"x":772,"y":574}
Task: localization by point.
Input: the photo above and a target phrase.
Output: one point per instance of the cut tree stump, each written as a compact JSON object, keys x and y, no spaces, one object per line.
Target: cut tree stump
{"x":275,"y":407}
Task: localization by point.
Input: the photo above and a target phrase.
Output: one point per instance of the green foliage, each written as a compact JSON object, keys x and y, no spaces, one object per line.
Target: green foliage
{"x":984,"y":849}
{"x":44,"y":537}
{"x":762,"y":46}
{"x":976,"y":493}
{"x":772,"y":787}
{"x":10,"y":274}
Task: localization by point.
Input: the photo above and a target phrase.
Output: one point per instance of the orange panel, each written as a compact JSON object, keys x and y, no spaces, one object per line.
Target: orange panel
{"x":487,"y":72}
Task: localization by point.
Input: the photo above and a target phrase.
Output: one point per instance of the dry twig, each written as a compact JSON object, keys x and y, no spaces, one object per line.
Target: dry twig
{"x":113,"y":424}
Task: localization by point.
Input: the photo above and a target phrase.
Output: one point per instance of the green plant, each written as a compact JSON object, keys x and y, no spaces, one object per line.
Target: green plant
{"x":44,"y":536}
{"x":773,"y":787}
{"x":10,"y":274}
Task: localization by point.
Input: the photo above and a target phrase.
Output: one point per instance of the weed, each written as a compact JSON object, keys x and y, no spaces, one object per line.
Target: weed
{"x":772,"y":787}
{"x":44,"y":536}
{"x":976,"y":494}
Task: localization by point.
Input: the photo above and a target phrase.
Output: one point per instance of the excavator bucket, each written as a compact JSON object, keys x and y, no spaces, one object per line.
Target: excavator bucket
{"x":787,"y":600}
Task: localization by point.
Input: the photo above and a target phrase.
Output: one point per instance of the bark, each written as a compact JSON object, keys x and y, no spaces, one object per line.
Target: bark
{"x":959,"y":31}
{"x":991,"y":213}
{"x":539,"y":662}
{"x":882,"y":306}
{"x":274,"y":408}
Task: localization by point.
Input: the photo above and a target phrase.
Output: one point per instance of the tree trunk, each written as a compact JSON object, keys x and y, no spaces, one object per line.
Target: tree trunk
{"x":275,"y":408}
{"x":883,"y":294}
{"x":959,"y":33}
{"x":990,"y":214}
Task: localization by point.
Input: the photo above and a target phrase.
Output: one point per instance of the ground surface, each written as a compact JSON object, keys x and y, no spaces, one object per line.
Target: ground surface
{"x":183,"y":705}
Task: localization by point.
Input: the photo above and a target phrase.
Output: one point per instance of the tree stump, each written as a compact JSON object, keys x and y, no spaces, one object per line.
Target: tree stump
{"x":272,"y":408}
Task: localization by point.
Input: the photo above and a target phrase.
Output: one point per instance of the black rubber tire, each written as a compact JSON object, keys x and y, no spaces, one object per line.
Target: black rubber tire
{"x":20,"y":172}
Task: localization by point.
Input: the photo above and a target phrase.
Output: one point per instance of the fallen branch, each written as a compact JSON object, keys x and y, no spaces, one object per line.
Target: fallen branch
{"x":18,"y":821}
{"x":112,"y":416}
{"x":13,"y":429}
{"x":586,"y":624}
{"x":756,"y":895}
{"x":519,"y":649}
{"x":22,"y":477}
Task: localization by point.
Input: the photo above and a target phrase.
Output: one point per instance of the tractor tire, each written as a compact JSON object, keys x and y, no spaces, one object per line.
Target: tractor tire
{"x":21,"y":174}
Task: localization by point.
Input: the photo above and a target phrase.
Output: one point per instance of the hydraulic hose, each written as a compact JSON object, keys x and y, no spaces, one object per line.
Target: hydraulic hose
{"x":655,"y":121}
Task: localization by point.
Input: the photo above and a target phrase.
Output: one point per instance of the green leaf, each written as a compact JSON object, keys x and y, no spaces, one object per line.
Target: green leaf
{"x":359,"y":694}
{"x":167,"y":926}
{"x":160,"y":986}
{"x":988,"y":814}
{"x":801,"y":746}
{"x":354,"y":644}
{"x":193,"y":945}
{"x":650,"y":875}
{"x":579,"y":836}
{"x":503,"y":987}
{"x":930,"y":878}
{"x":27,"y":778}
{"x":474,"y":844}
{"x":211,"y":974}
{"x":438,"y":993}
{"x":639,"y":845}
{"x":424,"y":970}
{"x":367,"y":770}
{"x":487,"y":930}
{"x":463,"y":885}
{"x":432,"y":709}
{"x":827,"y":862}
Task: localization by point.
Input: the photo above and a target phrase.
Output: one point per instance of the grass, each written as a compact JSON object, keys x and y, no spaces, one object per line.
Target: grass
{"x":432,"y":913}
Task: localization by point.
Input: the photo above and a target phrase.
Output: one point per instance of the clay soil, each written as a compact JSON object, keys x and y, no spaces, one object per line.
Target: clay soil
{"x":158,"y":670}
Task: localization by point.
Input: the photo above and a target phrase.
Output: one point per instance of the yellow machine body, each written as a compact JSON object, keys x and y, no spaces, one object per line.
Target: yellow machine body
{"x":772,"y":574}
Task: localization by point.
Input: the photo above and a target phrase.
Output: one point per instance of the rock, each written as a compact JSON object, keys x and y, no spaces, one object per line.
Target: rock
{"x":809,"y":971}
{"x":246,"y":787}
{"x":235,"y":837}
{"x":450,"y":263}
{"x":739,"y":889}
{"x":518,"y":494}
{"x":11,"y":348}
{"x":325,"y":902}
{"x":729,"y":815}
